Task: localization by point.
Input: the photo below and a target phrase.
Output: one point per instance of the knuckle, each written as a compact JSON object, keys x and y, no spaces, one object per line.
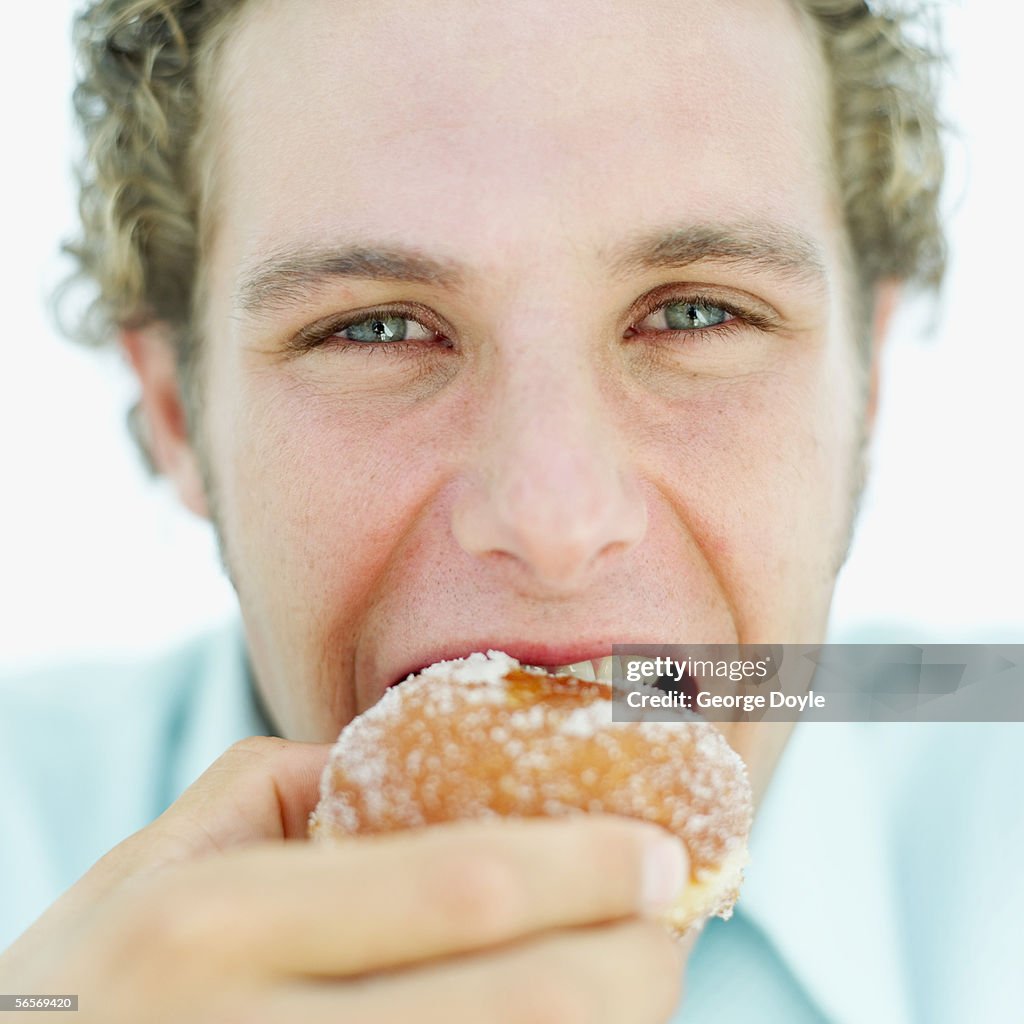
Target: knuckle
{"x":476,"y":895}
{"x":177,"y":924}
{"x":251,"y":748}
{"x":253,"y":755}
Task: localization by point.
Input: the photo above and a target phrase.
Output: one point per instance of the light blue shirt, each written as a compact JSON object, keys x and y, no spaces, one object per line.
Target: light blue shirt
{"x":885,"y":883}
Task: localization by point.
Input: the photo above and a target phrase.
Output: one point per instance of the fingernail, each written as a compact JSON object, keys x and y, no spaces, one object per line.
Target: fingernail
{"x":665,"y":870}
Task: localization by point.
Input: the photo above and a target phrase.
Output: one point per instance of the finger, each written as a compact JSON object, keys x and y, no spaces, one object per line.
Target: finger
{"x":261,"y":788}
{"x":624,"y":973}
{"x":372,"y":903}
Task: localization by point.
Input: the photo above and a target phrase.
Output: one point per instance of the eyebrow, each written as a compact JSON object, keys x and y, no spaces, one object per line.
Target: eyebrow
{"x":288,"y":277}
{"x":773,"y":248}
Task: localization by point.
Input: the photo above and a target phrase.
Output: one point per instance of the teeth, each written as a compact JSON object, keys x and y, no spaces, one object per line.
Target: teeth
{"x":581,"y":670}
{"x":596,"y":670}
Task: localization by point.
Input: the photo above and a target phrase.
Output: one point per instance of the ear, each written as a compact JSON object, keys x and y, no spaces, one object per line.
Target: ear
{"x":887,"y":298}
{"x":151,"y":352}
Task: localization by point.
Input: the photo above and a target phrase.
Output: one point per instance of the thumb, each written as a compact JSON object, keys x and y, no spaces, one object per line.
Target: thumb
{"x":260,"y":789}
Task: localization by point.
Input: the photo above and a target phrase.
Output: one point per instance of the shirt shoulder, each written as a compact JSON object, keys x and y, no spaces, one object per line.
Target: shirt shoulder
{"x":90,"y":753}
{"x":882,"y":852}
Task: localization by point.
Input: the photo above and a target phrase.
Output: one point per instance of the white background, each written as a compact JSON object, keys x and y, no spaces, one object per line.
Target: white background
{"x":95,"y":558}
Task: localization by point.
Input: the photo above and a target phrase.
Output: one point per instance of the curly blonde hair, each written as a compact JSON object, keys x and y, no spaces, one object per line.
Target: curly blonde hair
{"x":146,"y":74}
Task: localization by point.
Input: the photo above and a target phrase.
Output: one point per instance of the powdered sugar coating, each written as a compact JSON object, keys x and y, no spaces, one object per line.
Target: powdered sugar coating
{"x":483,"y":736}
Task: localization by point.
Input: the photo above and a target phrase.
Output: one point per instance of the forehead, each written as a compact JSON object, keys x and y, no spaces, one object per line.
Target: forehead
{"x":509,"y":132}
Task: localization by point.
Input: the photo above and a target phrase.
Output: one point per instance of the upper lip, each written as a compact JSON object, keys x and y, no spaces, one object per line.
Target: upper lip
{"x":526,"y":652}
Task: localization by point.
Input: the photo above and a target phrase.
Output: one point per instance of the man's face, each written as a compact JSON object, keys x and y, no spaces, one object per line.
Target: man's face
{"x":627,"y":404}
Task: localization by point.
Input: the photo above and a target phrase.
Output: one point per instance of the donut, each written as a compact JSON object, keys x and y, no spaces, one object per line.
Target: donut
{"x":484,"y":736}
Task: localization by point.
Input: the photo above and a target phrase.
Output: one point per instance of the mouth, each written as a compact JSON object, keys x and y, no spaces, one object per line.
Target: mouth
{"x":600,"y":669}
{"x":595,"y":664}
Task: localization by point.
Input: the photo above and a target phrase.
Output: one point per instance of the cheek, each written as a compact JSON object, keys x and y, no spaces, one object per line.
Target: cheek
{"x":315,"y":492}
{"x":761,"y":473}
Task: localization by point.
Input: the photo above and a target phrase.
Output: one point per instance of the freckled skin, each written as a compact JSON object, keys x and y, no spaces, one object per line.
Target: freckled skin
{"x":547,"y":475}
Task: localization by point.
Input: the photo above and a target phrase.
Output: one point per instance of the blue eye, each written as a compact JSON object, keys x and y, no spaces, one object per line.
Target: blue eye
{"x":686,"y":316}
{"x":383,"y":328}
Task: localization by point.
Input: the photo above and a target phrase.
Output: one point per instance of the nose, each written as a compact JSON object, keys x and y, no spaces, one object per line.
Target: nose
{"x":550,"y":487}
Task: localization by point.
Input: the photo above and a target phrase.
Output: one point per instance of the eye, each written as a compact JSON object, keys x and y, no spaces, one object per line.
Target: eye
{"x":408,"y":330}
{"x":384,"y":327}
{"x":689,"y":315}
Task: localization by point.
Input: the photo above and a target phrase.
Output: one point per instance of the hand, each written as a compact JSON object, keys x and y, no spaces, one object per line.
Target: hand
{"x":214,"y":914}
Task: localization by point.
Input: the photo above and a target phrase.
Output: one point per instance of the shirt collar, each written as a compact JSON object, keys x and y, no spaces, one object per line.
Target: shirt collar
{"x":819,"y":885}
